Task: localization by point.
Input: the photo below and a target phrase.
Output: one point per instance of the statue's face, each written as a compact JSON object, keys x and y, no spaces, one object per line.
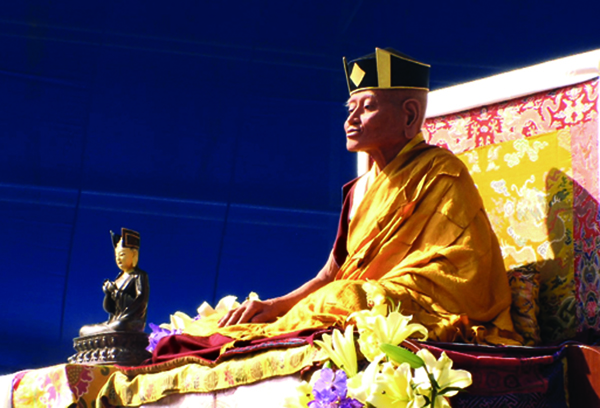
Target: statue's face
{"x":125,"y":258}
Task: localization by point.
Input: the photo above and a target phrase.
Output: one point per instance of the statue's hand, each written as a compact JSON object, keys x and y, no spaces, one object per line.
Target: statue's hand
{"x":109,"y":287}
{"x":253,"y":311}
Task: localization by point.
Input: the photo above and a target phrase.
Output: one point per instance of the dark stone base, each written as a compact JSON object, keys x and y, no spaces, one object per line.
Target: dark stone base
{"x":123,"y":348}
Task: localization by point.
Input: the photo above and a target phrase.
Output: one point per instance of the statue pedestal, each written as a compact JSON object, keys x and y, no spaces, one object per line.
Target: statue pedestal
{"x":123,"y":348}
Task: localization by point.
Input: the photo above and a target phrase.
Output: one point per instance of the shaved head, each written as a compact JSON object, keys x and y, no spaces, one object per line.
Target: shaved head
{"x":382,"y":121}
{"x":398,"y":97}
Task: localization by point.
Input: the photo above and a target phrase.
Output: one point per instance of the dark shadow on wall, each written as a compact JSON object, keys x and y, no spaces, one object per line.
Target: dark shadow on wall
{"x":576,"y":314}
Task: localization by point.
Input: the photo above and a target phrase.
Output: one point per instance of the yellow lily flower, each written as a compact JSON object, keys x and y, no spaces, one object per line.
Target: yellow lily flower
{"x":444,"y":376}
{"x":375,"y":328}
{"x":225,"y":305}
{"x":369,"y":345}
{"x":393,"y":388}
{"x":179,"y":321}
{"x":340,"y":349}
{"x":302,"y":397}
{"x":376,"y":294}
{"x":366,"y":318}
{"x":360,"y":386}
{"x":365,"y":321}
{"x":396,"y":328}
{"x":183,"y":322}
{"x":205,"y":310}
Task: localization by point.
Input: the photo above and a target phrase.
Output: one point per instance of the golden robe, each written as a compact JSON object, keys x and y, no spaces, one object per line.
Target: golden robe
{"x":421,"y":232}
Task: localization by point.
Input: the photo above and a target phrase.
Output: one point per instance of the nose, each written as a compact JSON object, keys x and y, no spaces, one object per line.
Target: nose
{"x":353,"y":118}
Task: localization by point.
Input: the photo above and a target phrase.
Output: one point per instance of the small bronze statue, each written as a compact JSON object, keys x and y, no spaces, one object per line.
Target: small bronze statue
{"x":121,"y":339}
{"x":125,"y":298}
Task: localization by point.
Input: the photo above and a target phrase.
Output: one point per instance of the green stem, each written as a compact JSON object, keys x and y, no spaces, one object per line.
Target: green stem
{"x":434,"y":387}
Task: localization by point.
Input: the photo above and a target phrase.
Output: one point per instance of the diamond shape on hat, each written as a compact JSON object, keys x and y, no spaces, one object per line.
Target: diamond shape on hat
{"x":357,"y":74}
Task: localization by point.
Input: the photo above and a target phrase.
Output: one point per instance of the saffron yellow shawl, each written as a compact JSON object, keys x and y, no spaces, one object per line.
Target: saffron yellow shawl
{"x":422,"y":233}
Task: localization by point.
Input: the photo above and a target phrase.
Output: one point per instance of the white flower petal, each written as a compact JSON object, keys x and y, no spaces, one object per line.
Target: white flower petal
{"x":205,"y":310}
{"x":226,"y":304}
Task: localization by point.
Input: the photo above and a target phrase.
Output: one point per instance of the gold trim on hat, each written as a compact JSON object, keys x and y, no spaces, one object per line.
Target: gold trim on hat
{"x":384,"y":68}
{"x":366,"y":88}
{"x":346,"y":71}
{"x":401,"y":57}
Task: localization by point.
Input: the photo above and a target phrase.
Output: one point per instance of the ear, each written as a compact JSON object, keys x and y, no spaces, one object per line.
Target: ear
{"x":136,"y":257}
{"x":413,"y":109}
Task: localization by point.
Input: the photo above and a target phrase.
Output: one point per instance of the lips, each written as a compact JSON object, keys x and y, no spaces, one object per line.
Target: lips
{"x":352,"y":131}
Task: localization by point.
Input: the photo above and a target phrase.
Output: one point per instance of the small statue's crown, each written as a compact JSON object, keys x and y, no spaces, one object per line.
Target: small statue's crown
{"x":130,"y":238}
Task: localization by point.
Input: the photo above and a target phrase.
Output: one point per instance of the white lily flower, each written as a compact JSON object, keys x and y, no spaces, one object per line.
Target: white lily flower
{"x":341,"y":350}
{"x":393,"y":388}
{"x":444,"y":376}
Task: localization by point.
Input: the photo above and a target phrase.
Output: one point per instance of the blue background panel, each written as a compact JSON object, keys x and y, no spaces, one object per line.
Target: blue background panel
{"x":215,"y":129}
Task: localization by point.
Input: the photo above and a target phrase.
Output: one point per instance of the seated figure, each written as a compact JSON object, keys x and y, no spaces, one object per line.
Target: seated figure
{"x":414,"y":225}
{"x":125,"y":298}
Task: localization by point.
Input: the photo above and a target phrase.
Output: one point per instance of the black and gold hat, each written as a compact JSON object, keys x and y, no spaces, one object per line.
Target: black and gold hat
{"x":386,"y":69}
{"x":131,"y":239}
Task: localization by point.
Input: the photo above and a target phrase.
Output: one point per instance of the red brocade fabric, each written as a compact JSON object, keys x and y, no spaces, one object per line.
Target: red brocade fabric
{"x":519,"y":377}
{"x":208,"y":349}
{"x":500,"y":370}
{"x":181,"y":345}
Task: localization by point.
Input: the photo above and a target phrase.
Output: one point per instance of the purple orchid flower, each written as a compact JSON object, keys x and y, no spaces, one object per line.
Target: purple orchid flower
{"x":157,"y":334}
{"x":330,"y":391}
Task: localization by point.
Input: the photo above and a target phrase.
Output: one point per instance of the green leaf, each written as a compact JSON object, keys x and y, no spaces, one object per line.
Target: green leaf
{"x":449,"y":389}
{"x":401,"y":355}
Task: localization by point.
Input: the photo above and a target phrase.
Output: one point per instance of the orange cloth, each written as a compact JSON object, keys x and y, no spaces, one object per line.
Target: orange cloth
{"x":326,"y":307}
{"x":422,"y":232}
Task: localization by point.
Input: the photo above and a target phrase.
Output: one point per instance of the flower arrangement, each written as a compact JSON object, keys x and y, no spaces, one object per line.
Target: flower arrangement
{"x":395,"y":377}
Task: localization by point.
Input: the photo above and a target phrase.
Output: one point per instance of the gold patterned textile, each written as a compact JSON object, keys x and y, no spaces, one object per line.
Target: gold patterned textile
{"x":68,"y":385}
{"x":489,"y":138}
{"x":527,"y":188}
{"x":422,"y":232}
{"x":127,"y":389}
